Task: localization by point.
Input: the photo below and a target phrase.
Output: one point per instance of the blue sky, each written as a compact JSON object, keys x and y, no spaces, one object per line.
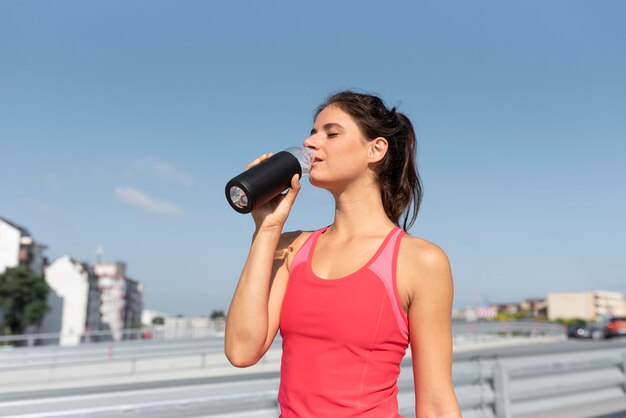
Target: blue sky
{"x":120,"y":123}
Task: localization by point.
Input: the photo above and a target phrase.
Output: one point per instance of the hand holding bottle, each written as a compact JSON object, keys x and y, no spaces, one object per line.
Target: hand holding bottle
{"x":274,"y":213}
{"x":261,"y":185}
{"x":267,"y":177}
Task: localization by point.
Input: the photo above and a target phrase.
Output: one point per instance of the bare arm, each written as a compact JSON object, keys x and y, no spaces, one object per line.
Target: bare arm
{"x":254,"y":313}
{"x":427,"y":271}
{"x":253,"y":316}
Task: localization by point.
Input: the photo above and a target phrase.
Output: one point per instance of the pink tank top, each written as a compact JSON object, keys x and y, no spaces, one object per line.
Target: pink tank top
{"x":343,"y":339}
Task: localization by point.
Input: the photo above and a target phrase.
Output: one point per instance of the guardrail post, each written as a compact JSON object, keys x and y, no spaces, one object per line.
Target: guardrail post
{"x":482,"y":379}
{"x":624,"y":369}
{"x":501,"y":387}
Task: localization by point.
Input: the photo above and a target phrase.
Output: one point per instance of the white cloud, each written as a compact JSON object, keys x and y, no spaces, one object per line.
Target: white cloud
{"x":146,"y":203}
{"x":163,"y":170}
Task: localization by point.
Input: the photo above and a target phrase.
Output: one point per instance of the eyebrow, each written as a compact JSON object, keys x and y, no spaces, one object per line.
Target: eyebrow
{"x":327,"y":127}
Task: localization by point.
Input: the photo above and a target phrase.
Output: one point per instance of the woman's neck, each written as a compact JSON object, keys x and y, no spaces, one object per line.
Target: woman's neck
{"x":360,"y":212}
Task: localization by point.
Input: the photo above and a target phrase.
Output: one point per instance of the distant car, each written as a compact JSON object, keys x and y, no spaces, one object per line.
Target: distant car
{"x":593,"y":331}
{"x":577,"y":331}
{"x":615,"y":327}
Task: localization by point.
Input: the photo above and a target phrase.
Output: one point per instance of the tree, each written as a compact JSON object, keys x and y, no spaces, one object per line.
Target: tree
{"x":510,"y":316}
{"x":23,"y":297}
{"x":217,"y":315}
{"x":159,"y":320}
{"x":571,"y":322}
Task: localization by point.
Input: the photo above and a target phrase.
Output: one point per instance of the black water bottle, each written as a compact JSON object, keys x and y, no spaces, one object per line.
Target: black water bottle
{"x":258,"y":185}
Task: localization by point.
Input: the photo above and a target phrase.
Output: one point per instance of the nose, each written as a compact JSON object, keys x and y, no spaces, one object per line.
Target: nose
{"x":310,"y":142}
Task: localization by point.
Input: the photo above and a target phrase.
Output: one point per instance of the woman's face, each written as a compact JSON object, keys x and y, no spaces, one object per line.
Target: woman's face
{"x":340,"y":149}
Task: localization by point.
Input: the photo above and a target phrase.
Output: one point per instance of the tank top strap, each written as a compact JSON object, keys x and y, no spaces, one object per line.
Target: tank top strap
{"x":385,"y":268}
{"x":304,"y":253}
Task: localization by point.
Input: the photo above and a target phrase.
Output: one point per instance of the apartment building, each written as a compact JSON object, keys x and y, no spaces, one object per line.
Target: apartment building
{"x":134,"y":303}
{"x":77,"y":284}
{"x":19,"y":249}
{"x":121,"y":298}
{"x":591,"y":305}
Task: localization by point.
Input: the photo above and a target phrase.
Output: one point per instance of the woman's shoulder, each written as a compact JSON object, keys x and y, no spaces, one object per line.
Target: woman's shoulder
{"x":419,"y":257}
{"x":294,"y":238}
{"x":421,"y":249}
{"x":291,"y":241}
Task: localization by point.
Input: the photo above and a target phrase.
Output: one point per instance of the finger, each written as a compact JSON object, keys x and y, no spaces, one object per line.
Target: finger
{"x":294,"y":189}
{"x":259,"y":160}
{"x":295,"y":182}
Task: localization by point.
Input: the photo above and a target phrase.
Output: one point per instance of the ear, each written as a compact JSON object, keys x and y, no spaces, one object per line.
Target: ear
{"x":377,"y":148}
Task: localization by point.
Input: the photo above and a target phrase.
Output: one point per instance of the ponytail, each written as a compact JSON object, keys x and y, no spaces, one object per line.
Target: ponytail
{"x":408,"y":190}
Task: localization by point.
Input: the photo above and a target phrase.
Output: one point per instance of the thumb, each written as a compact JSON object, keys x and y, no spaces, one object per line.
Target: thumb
{"x":294,"y":189}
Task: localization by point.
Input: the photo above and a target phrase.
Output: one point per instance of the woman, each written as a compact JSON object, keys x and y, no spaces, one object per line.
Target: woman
{"x":349,"y":298}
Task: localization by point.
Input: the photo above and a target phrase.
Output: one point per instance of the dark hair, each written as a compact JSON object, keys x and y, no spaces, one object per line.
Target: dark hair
{"x":400,"y":185}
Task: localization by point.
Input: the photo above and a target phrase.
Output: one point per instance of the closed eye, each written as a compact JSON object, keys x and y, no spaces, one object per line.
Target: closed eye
{"x":332,"y":134}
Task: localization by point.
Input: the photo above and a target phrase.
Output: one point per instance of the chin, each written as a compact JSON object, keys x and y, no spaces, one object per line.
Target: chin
{"x":324,"y":183}
{"x":317,"y":181}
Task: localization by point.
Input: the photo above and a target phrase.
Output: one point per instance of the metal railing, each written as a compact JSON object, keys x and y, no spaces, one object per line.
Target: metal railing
{"x":156,"y":333}
{"x":107,"y":353}
{"x":135,"y":350}
{"x":558,"y":381}
{"x":485,"y":387}
{"x":134,"y":355}
{"x":509,"y":328}
{"x":161,"y":333}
